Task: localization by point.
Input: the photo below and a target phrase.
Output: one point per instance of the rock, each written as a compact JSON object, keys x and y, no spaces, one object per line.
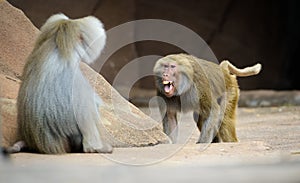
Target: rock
{"x":124,"y":124}
{"x":17,"y":35}
{"x":8,"y":121}
{"x":269,"y":98}
{"x":9,"y":86}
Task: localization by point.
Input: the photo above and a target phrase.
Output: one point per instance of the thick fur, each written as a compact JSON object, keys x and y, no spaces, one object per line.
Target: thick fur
{"x":208,"y":89}
{"x":57,"y":107}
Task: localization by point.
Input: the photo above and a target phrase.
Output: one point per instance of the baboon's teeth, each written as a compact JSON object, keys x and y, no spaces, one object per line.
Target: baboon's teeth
{"x":167,"y":82}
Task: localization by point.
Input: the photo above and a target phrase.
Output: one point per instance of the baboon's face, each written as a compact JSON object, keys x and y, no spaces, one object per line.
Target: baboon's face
{"x":169,"y":78}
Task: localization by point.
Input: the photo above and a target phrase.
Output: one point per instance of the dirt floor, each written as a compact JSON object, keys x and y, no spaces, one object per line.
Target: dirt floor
{"x":268,"y":151}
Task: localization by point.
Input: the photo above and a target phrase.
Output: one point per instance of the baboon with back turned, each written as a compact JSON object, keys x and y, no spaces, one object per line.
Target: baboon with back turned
{"x":57,"y":107}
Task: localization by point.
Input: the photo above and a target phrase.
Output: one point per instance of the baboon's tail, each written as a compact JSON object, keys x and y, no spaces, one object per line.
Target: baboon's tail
{"x":248,"y":71}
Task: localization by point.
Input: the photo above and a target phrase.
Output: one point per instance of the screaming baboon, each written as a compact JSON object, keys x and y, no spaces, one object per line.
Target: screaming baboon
{"x":57,"y":107}
{"x":187,"y":83}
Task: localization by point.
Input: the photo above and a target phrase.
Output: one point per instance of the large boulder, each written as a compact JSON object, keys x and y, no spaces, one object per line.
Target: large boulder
{"x":124,"y":124}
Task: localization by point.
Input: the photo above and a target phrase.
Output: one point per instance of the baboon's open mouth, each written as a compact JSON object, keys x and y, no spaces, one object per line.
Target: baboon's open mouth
{"x":168,"y":87}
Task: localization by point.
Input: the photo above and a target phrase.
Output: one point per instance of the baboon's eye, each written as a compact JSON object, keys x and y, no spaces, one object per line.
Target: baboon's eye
{"x":166,"y":66}
{"x":173,"y":66}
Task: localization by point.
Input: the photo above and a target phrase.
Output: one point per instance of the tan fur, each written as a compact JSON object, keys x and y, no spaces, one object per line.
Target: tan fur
{"x":248,"y":71}
{"x":209,"y":89}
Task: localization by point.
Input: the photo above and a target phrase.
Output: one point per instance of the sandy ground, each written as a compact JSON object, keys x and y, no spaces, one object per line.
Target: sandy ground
{"x":268,"y":151}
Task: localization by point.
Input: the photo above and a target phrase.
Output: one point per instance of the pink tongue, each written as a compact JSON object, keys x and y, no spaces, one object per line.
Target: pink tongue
{"x":168,"y":88}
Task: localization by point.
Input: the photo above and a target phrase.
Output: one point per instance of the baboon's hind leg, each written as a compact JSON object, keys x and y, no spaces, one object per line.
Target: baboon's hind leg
{"x":227,"y":130}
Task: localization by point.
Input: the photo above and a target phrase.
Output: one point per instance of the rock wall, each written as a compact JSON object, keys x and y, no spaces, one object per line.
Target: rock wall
{"x":244,"y":32}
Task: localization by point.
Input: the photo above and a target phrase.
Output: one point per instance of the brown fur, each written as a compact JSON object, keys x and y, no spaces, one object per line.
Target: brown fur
{"x":208,"y":89}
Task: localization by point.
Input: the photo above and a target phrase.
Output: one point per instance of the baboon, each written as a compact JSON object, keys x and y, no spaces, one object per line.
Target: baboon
{"x":187,"y":83}
{"x":57,"y":107}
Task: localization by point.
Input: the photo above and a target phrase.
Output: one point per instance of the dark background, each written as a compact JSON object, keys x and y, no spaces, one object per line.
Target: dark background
{"x":245,"y":32}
